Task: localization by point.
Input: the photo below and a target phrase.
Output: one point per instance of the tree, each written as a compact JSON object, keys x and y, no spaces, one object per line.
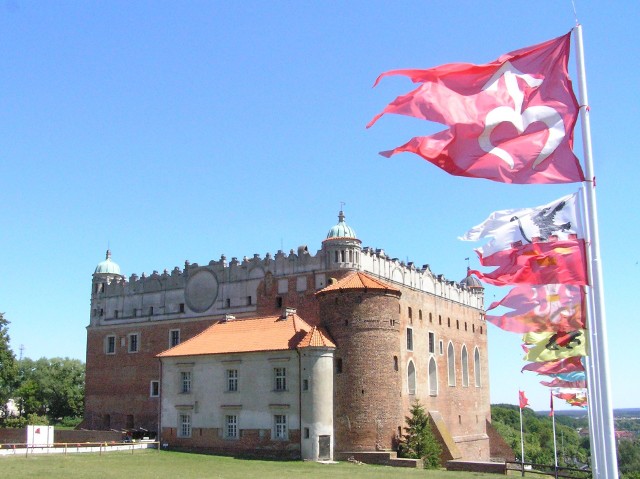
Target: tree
{"x":52,"y":387}
{"x":8,"y":367}
{"x":418,"y":440}
{"x":629,"y":458}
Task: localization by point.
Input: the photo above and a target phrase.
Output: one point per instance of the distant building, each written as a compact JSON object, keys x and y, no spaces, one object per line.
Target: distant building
{"x":391,"y":332}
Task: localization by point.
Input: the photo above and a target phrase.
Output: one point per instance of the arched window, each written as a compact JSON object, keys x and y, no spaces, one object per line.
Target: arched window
{"x":451,"y":364}
{"x":411,"y":378}
{"x":433,"y":378}
{"x":476,"y":367}
{"x":465,"y":366}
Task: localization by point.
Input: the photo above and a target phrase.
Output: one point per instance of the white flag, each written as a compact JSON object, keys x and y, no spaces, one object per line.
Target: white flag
{"x":560,"y":218}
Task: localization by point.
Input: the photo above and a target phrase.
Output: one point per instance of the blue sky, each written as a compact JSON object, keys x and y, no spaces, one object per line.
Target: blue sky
{"x":173,"y":131}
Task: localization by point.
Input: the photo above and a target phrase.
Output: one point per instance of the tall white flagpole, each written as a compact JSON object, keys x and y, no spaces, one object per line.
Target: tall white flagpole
{"x":598,"y":326}
{"x":594,"y":411}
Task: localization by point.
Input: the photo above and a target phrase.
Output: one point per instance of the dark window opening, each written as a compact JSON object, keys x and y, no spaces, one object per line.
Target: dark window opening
{"x":278,"y":301}
{"x":338,"y":365}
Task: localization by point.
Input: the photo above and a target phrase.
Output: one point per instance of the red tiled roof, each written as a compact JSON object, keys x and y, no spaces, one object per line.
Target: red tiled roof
{"x":316,"y":338}
{"x":270,"y":333}
{"x":357,"y":281}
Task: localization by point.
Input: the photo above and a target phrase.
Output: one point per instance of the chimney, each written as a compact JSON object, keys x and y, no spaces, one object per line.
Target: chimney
{"x":288,"y":312}
{"x":229,"y":317}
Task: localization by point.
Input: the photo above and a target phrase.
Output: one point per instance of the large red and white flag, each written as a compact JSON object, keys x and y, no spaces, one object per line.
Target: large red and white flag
{"x":559,"y":383}
{"x":558,"y":219}
{"x":550,"y":262}
{"x":510,"y":120}
{"x":537,"y":308}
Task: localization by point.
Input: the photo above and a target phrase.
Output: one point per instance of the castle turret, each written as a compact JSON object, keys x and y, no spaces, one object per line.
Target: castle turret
{"x":341,"y":247}
{"x":361,"y":315}
{"x":106,"y":271}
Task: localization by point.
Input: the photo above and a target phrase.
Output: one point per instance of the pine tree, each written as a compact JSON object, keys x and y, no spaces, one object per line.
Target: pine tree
{"x":418,"y":441}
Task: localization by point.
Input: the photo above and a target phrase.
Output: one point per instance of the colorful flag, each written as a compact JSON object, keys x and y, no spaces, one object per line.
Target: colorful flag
{"x":566,"y":365}
{"x":547,"y":346}
{"x":559,"y":219}
{"x":572,"y":398}
{"x":524,"y":402}
{"x":510,"y":120}
{"x":549,"y":307}
{"x":537,"y":263}
{"x":571,"y":377}
{"x":551,"y":403}
{"x":559,"y":383}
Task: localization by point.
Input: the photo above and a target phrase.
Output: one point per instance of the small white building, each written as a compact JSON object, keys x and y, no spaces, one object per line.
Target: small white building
{"x":257,"y":386}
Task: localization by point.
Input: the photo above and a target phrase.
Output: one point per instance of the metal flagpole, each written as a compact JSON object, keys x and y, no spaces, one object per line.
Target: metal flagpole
{"x":555,"y":445}
{"x":521,"y":445}
{"x":601,"y":366}
{"x":593,"y":389}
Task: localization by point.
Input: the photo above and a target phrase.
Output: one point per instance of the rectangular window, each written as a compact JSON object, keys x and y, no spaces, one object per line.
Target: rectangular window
{"x":441,"y":347}
{"x":232,"y":379}
{"x":174,"y":337}
{"x":280,"y":429}
{"x":134,"y":342}
{"x":182,"y":307}
{"x":432,"y":343}
{"x":338,"y":365}
{"x":231,"y":427}
{"x":184,"y":425}
{"x":306,"y":433}
{"x":305,"y":384}
{"x":185,"y":382}
{"x":280,"y":376}
{"x":110,"y":344}
{"x":154,"y":389}
{"x":249,"y":301}
{"x":409,"y":339}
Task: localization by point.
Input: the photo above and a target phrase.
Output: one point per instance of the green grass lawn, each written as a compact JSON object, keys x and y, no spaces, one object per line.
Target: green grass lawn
{"x":165,"y":464}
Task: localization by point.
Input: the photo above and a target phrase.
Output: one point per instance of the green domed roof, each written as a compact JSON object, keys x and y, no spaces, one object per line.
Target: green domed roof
{"x":341,"y":230}
{"x":107,"y":266}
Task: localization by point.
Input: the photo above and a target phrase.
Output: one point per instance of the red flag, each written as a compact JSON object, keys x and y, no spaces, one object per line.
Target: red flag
{"x":524,"y":402}
{"x":566,"y":365}
{"x":550,"y":262}
{"x":537,"y":308}
{"x":510,"y":120}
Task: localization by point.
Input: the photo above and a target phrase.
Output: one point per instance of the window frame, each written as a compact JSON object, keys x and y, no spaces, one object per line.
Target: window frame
{"x":184,"y":428}
{"x":409,"y":339}
{"x":232,"y":380}
{"x":155,"y":389}
{"x":231,"y":429}
{"x":186,"y":382}
{"x":280,"y":378}
{"x":133,"y":346}
{"x":280,"y":427}
{"x":172,"y":337}
{"x":108,"y":343}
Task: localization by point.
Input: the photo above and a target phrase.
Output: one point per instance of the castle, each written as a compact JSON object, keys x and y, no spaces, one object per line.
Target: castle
{"x":297,"y":354}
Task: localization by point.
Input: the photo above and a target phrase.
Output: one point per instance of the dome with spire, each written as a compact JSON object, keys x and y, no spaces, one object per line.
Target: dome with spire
{"x":342,"y":229}
{"x":471,"y":282}
{"x":107,"y":266}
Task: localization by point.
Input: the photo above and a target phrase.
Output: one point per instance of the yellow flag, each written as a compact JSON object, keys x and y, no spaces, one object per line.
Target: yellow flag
{"x":549,"y":346}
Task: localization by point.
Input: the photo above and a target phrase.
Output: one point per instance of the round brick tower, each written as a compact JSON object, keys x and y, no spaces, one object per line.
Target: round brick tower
{"x":361,"y":314}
